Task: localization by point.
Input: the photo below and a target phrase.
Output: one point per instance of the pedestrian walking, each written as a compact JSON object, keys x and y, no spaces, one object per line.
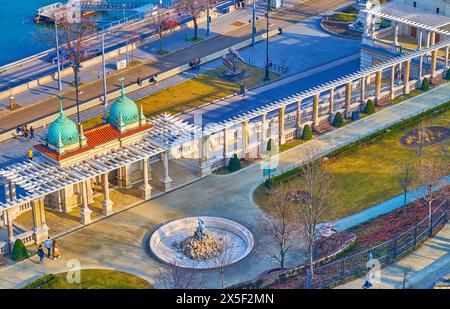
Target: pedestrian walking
{"x":25,"y":131}
{"x":19,"y":131}
{"x":30,"y":154}
{"x":31,"y":132}
{"x":41,"y":254}
{"x":139,"y":81}
{"x":55,"y":250}
{"x":242,"y":89}
{"x":155,"y":80}
{"x":48,"y":246}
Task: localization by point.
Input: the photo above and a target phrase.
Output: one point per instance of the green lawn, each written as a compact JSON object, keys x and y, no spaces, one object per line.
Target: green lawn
{"x":193,"y":92}
{"x":91,"y":279}
{"x":367,"y":175}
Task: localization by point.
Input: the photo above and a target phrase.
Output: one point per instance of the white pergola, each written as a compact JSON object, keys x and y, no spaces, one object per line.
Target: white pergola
{"x":409,"y":15}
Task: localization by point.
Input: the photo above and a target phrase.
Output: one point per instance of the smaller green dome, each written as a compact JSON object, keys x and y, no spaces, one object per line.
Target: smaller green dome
{"x":123,"y":111}
{"x":62,"y":130}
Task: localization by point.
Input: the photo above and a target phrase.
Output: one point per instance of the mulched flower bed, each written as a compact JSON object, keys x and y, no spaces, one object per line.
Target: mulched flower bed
{"x":377,"y":231}
{"x":432,"y":135}
{"x":340,"y":28}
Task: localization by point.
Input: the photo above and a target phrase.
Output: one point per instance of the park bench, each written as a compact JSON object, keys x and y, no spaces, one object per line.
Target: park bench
{"x":322,"y":127}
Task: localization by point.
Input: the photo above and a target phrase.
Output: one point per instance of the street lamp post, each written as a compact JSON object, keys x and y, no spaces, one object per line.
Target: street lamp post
{"x":208,"y":19}
{"x":105,"y":99}
{"x":253,"y":22}
{"x":267,"y":73}
{"x":58,"y":62}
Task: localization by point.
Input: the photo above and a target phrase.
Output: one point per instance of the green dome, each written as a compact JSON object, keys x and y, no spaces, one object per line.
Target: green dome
{"x":63,"y":127}
{"x":123,"y":110}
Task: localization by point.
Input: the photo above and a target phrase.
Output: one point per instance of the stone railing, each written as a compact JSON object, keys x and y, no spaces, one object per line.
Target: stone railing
{"x":4,"y":248}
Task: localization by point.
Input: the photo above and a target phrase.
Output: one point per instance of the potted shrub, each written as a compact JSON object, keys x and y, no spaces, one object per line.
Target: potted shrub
{"x":338,"y":121}
{"x":234,"y":164}
{"x":370,"y":107}
{"x":306,"y":133}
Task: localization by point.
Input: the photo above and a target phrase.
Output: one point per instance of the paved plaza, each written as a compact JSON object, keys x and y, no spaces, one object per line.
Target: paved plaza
{"x":120,"y":241}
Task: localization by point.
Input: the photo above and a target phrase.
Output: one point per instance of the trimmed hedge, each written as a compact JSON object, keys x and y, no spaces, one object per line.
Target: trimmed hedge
{"x":346,"y":17}
{"x":306,"y":133}
{"x":296,"y":172}
{"x":425,"y":84}
{"x":338,"y":121}
{"x":447,"y":75}
{"x":40,"y":282}
{"x":369,"y":108}
{"x":19,"y":251}
{"x":234,"y":164}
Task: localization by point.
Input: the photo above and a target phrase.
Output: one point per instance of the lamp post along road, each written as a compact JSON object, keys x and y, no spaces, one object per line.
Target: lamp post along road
{"x":267,"y":74}
{"x":105,"y":99}
{"x":208,"y":19}
{"x":58,"y":62}
{"x":253,"y":22}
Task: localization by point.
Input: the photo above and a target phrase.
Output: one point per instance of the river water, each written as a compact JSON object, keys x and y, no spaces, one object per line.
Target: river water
{"x":20,"y":37}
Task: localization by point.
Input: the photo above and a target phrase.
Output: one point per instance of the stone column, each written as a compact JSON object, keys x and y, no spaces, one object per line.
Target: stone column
{"x":85,"y":212}
{"x":245,"y":146}
{"x":7,"y":190}
{"x":378,"y":80}
{"x":420,"y":70}
{"x":428,"y":39}
{"x":262,"y":143}
{"x":363,"y":89}
{"x":396,"y":34}
{"x":225,"y":144}
{"x":446,"y":56}
{"x":348,"y":99}
{"x":167,"y":181}
{"x":331,"y":106}
{"x":433,"y":63}
{"x":40,"y":228}
{"x":433,"y":38}
{"x":299,"y":118}
{"x":9,"y":220}
{"x":316,"y":110}
{"x":146,"y":189}
{"x":419,"y":40}
{"x":392,"y":86}
{"x":407,"y":74}
{"x":282,"y":138}
{"x":106,"y":203}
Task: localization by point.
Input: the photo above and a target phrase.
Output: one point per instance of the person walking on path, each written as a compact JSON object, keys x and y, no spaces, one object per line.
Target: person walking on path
{"x":30,"y":154}
{"x":139,"y":81}
{"x":25,"y":131}
{"x":55,"y":250}
{"x":48,"y":246}
{"x":41,"y":254}
{"x":31,"y":132}
{"x":243,"y":89}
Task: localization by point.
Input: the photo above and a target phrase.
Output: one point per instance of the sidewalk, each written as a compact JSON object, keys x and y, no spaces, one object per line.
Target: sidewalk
{"x":120,"y":241}
{"x":423,"y":267}
{"x":95,"y":89}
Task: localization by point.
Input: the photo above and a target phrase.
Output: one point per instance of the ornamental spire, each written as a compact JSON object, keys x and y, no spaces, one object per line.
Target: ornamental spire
{"x":61,"y":111}
{"x":122,"y":92}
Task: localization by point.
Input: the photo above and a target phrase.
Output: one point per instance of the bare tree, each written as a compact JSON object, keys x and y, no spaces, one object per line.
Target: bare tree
{"x":421,"y":138}
{"x":279,"y":224}
{"x":405,"y":177}
{"x":430,"y":174}
{"x":174,"y":277}
{"x":223,"y":260}
{"x":193,"y":8}
{"x":316,"y":194}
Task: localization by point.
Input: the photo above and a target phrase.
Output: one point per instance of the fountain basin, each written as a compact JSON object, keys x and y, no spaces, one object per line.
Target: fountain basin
{"x":239,"y":242}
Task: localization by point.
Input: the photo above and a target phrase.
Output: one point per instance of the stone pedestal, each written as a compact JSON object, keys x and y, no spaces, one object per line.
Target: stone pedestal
{"x":204,"y":169}
{"x":85,"y":215}
{"x":40,"y":234}
{"x":107,"y":207}
{"x":167,"y":183}
{"x":146,"y":191}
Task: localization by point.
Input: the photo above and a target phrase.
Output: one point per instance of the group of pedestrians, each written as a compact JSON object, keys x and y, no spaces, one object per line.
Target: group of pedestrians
{"x":153,"y":80}
{"x":52,"y":248}
{"x":25,"y":131}
{"x":195,"y":64}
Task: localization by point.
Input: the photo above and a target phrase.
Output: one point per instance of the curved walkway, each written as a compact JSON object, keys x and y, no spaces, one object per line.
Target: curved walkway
{"x":120,"y":241}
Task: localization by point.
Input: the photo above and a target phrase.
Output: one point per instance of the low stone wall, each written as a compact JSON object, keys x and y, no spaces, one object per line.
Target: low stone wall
{"x":267,"y":280}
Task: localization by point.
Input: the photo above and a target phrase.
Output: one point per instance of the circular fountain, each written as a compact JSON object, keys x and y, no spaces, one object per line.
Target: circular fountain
{"x":201,"y":242}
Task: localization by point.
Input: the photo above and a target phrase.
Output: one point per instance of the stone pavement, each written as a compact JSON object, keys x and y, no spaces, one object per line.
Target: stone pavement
{"x":283,"y":19}
{"x":121,"y":241}
{"x":423,"y":267}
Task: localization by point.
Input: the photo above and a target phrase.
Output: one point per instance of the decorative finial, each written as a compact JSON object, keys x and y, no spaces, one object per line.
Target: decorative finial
{"x":121,"y":124}
{"x":60,"y":144}
{"x":122,"y":92}
{"x":61,"y":111}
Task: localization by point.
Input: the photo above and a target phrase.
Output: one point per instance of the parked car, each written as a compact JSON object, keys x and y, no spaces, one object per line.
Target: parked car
{"x":169,"y":23}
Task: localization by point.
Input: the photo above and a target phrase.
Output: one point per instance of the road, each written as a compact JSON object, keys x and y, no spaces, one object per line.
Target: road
{"x":283,"y":18}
